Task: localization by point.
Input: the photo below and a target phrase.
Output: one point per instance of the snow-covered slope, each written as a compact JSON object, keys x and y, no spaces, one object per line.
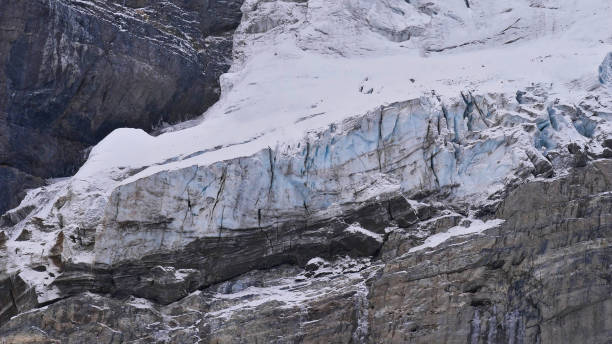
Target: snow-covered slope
{"x":318,"y":62}
{"x":335,"y":103}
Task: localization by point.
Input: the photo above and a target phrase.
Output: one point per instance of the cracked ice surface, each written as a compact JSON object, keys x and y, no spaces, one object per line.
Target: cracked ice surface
{"x":408,"y":147}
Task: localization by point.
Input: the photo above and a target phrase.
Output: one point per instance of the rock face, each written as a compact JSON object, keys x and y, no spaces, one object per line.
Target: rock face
{"x":541,"y":276}
{"x":72,"y":71}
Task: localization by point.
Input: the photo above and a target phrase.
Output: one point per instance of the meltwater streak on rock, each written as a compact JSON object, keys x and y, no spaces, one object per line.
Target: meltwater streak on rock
{"x":72,"y":71}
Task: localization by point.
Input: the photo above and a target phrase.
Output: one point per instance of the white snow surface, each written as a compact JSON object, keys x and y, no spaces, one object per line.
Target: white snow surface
{"x":306,"y":71}
{"x":476,"y":227}
{"x":356,"y":228}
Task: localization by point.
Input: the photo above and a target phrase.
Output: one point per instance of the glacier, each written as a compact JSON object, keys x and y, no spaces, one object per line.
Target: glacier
{"x":247,"y":164}
{"x":341,"y":124}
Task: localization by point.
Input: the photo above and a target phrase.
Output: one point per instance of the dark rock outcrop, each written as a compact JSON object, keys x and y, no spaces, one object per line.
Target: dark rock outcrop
{"x":15,"y":296}
{"x":72,"y":71}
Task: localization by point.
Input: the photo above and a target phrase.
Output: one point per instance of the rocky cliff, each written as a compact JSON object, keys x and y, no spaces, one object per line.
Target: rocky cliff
{"x":369,"y":175}
{"x":541,"y":276}
{"x":72,"y":71}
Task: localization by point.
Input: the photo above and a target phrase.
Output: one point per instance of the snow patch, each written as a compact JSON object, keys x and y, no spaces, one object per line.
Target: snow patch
{"x":140,"y":303}
{"x":356,"y":228}
{"x":316,"y":261}
{"x":476,"y":227}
